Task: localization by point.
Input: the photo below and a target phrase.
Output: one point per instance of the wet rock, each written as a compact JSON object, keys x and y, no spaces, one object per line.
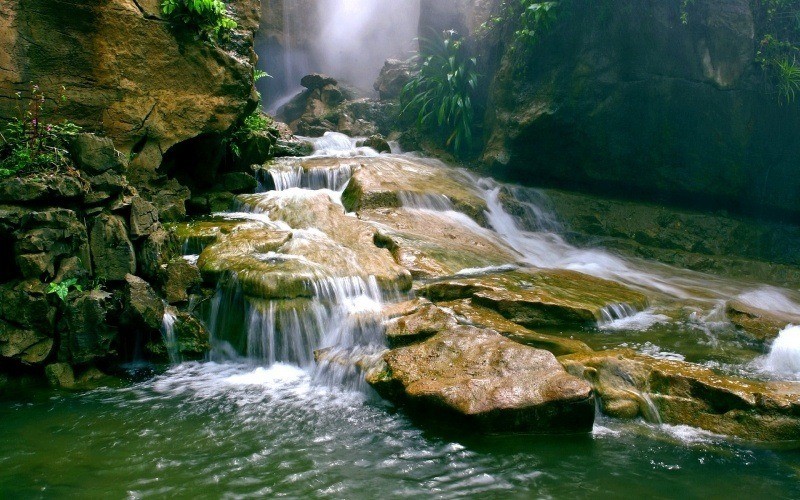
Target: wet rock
{"x":112,"y":252}
{"x":180,"y":277}
{"x":376,"y":142}
{"x":630,"y":385}
{"x":293,"y":148}
{"x":427,"y":320}
{"x":28,"y":347}
{"x":758,"y":323}
{"x":143,"y":308}
{"x":430,"y":245}
{"x":470,"y":314}
{"x":25,"y":304}
{"x":256,"y":148}
{"x":538,"y":298}
{"x":393,"y":77}
{"x":316,"y":81}
{"x":60,"y":375}
{"x":380,"y":183}
{"x":240,"y":182}
{"x":45,"y":238}
{"x":192,"y":338}
{"x":96,"y":155}
{"x":155,"y":251}
{"x":492,"y":382}
{"x":85,"y":332}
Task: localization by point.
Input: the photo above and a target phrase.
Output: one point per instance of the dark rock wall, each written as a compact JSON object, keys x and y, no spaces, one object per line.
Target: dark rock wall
{"x":621,"y":98}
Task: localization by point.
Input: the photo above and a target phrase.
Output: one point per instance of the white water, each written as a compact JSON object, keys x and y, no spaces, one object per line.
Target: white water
{"x":168,"y":333}
{"x":784,"y":354}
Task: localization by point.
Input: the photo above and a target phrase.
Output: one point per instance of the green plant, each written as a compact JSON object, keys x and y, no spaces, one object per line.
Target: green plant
{"x":209,"y":17}
{"x":440,"y":97}
{"x":788,"y":79}
{"x":63,"y":288}
{"x":529,"y":18}
{"x":30,"y":141}
{"x":254,"y":122}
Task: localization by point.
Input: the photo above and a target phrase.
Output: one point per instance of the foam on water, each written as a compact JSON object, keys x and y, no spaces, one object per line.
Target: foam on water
{"x":641,"y":320}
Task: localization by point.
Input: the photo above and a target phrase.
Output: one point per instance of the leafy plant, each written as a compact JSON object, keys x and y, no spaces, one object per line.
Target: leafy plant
{"x":63,"y":288}
{"x":440,"y":97}
{"x":208,"y":17}
{"x":530,"y":19}
{"x":254,"y":122}
{"x":788,"y":79}
{"x":32,"y":143}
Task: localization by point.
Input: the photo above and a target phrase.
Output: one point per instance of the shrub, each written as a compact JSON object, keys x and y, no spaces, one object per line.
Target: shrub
{"x":440,"y":97}
{"x":208,"y":17}
{"x":30,"y":143}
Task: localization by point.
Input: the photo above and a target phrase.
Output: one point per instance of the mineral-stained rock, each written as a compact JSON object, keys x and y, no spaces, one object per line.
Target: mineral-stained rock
{"x":675,"y":392}
{"x":470,"y":314}
{"x":60,"y":375}
{"x":758,"y":323}
{"x":538,"y":297}
{"x":427,"y":320}
{"x":142,"y":307}
{"x":85,"y":332}
{"x":493,"y":382}
{"x":382,"y":182}
{"x":112,"y":252}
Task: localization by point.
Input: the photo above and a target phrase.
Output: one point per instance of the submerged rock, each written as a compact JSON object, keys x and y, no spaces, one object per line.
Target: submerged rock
{"x":538,"y":297}
{"x":675,"y":392}
{"x":492,"y":382}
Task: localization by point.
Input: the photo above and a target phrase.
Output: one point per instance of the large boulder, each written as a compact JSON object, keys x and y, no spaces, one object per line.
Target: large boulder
{"x":96,"y":155}
{"x":493,"y":383}
{"x":179,"y":277}
{"x":393,"y":77}
{"x":142,"y":307}
{"x":631,"y":385}
{"x":29,"y":347}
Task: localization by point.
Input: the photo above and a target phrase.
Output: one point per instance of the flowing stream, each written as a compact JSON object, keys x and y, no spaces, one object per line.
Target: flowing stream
{"x":261,"y":418}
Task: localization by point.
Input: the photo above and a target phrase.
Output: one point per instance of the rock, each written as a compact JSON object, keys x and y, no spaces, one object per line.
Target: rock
{"x":28,"y":347}
{"x":60,"y":375}
{"x":538,"y":298}
{"x":45,"y":238}
{"x":25,"y":304}
{"x":393,"y":77}
{"x":155,"y":251}
{"x":142,"y":307}
{"x":492,"y":382}
{"x":472,"y":315}
{"x":680,"y":393}
{"x":293,"y":148}
{"x":180,"y":277}
{"x":378,"y":143}
{"x":240,"y":182}
{"x":427,"y":320}
{"x":96,"y":155}
{"x":42,"y":188}
{"x":380,"y":182}
{"x":85,"y":332}
{"x":169,"y":196}
{"x":112,"y":252}
{"x":192,"y":338}
{"x":143,"y":218}
{"x":758,"y":323}
{"x":256,"y":148}
{"x":104,"y":186}
{"x":188,"y":86}
{"x":316,"y":81}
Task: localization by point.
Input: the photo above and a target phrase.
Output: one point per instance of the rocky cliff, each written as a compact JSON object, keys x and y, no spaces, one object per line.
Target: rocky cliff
{"x":128,"y":73}
{"x":624,"y":99}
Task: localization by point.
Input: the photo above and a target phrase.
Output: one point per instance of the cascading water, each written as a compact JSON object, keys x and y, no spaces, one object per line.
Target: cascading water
{"x":784,"y":354}
{"x":168,"y":333}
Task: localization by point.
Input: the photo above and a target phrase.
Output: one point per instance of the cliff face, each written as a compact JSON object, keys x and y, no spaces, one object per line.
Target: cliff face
{"x":622,"y":98}
{"x":128,"y":73}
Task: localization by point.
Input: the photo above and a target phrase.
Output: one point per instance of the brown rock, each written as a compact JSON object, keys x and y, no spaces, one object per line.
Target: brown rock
{"x":142,"y":306}
{"x":143,"y":218}
{"x":426,"y":321}
{"x":181,"y":276}
{"x":496,"y":384}
{"x":758,"y":323}
{"x":112,"y":252}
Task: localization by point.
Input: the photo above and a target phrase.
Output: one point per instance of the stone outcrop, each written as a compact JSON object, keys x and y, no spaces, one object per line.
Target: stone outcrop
{"x":141,"y":81}
{"x":630,"y":385}
{"x":493,"y":383}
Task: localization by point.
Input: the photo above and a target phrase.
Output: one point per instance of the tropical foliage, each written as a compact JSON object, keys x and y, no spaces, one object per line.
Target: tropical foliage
{"x":208,"y":17}
{"x":440,"y":98}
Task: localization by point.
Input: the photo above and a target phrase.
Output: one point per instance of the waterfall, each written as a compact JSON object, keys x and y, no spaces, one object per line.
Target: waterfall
{"x":168,"y":334}
{"x":784,"y":354}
